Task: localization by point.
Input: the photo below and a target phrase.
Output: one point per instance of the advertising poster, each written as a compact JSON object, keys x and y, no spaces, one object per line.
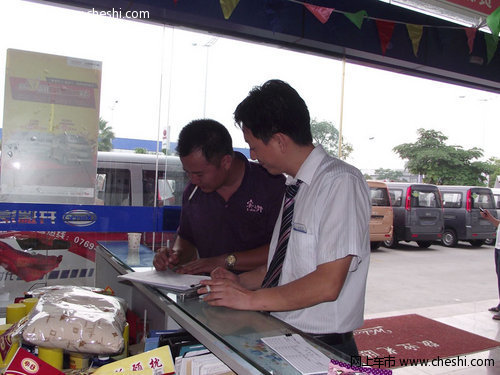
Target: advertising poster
{"x":50,"y":129}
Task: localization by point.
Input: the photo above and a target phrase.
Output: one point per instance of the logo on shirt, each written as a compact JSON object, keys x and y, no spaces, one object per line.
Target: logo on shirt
{"x":252,"y":207}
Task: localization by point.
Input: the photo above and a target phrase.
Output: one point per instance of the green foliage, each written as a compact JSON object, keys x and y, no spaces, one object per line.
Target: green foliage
{"x":442,"y":164}
{"x":105,"y":136}
{"x":388,"y":174}
{"x":324,"y":133}
{"x":140,"y":150}
{"x":495,"y":170}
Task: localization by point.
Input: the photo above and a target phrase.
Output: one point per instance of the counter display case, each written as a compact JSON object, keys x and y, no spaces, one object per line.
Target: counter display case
{"x":232,"y":335}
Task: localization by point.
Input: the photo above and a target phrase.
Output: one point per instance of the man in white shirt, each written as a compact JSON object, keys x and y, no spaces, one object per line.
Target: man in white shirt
{"x":322,"y":275}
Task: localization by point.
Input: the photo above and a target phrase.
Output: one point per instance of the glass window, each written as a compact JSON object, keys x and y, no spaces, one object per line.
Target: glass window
{"x":379,"y":197}
{"x":115,"y":187}
{"x":425,"y":198}
{"x":396,"y":197}
{"x":452,"y":200}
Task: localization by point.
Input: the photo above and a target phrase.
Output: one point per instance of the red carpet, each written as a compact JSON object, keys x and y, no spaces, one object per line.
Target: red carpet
{"x":389,"y":342}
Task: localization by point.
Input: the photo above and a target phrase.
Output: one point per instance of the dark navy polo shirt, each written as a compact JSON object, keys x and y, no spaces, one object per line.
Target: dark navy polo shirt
{"x":244,"y":222}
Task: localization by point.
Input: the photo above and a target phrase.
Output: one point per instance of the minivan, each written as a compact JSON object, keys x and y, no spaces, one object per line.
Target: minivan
{"x":382,"y":215}
{"x":462,"y":218}
{"x":418,"y":214}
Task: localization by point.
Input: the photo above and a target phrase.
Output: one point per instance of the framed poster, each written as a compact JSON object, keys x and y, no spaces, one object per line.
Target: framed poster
{"x":50,"y":128}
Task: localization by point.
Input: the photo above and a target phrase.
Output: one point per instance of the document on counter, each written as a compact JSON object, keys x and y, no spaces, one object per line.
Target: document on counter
{"x":166,"y":279}
{"x":299,"y":353}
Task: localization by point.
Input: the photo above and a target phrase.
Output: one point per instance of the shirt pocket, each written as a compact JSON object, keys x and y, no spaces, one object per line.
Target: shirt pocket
{"x":302,"y":253}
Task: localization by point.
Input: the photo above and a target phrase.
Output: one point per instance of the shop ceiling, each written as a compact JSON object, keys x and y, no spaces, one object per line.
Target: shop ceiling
{"x":443,"y":51}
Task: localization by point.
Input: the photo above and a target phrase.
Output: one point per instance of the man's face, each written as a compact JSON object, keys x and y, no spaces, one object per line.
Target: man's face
{"x":267,"y":154}
{"x":208,"y":177}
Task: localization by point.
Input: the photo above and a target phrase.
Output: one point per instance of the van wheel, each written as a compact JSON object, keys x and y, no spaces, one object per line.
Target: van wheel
{"x":449,"y":238}
{"x":424,"y":244}
{"x":489,"y":241}
{"x":374,"y":245}
{"x":391,"y":244}
{"x":477,"y":243}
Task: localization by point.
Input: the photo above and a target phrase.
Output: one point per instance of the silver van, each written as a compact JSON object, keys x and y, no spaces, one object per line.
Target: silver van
{"x":418,"y":214}
{"x":462,"y":218}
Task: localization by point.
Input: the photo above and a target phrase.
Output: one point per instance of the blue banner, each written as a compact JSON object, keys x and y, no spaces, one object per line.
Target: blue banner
{"x":87,"y":218}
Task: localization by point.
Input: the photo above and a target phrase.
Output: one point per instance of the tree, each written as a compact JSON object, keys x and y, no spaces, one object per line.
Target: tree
{"x":441,"y":164}
{"x":388,"y":174}
{"x":324,"y":133}
{"x":495,"y":170}
{"x":105,"y":137}
{"x":140,"y":150}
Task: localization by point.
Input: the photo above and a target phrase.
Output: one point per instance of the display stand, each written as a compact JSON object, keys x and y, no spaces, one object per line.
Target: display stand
{"x":232,"y":335}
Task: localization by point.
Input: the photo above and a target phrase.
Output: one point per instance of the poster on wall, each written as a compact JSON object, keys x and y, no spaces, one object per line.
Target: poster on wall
{"x":50,"y":128}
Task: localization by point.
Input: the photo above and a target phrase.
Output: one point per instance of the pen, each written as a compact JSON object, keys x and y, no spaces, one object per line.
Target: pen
{"x":194,"y":191}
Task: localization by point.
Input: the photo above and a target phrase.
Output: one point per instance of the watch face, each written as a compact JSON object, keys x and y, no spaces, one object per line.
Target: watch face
{"x":230,"y":260}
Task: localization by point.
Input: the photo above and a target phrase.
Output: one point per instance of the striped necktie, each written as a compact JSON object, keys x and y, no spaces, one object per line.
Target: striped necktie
{"x":274,"y":272}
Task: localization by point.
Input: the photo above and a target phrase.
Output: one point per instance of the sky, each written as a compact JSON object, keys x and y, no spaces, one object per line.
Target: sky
{"x":157,"y":77}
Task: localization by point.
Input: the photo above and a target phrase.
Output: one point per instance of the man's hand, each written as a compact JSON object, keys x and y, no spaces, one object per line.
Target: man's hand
{"x":165,"y":258}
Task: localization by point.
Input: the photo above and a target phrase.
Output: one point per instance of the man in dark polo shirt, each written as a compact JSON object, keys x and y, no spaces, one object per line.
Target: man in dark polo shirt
{"x":228,"y":210}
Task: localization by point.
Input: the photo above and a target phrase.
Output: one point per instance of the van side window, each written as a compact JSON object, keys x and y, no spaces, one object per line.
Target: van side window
{"x":165,"y":192}
{"x":396,"y":197}
{"x":452,"y":200}
{"x":113,"y":187}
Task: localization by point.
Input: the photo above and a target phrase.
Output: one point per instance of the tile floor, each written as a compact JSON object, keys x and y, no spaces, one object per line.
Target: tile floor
{"x":472,"y":317}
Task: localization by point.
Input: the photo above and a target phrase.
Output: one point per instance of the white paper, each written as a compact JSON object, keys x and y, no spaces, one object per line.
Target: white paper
{"x":166,"y":279}
{"x":299,"y":353}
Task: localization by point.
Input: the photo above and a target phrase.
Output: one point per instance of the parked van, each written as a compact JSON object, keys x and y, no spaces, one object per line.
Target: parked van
{"x":418,"y":214}
{"x":462,"y":218}
{"x":382,"y":215}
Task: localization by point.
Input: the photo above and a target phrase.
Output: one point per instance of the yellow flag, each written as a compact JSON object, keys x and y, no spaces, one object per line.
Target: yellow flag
{"x":415,"y":33}
{"x":228,"y":6}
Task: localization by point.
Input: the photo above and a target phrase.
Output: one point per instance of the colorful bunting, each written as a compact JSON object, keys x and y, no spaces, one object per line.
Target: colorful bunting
{"x":471,"y":36}
{"x":357,"y":18}
{"x":415,"y":32}
{"x":493,"y":22}
{"x":228,"y":6}
{"x":321,"y":13}
{"x":491,"y":45}
{"x":385,"y":29}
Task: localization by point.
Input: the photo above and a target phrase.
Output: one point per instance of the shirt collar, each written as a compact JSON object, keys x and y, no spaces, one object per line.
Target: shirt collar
{"x":308,"y":167}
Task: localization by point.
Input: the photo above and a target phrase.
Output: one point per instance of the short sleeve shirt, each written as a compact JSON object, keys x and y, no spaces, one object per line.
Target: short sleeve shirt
{"x":244,"y":222}
{"x":330,"y":221}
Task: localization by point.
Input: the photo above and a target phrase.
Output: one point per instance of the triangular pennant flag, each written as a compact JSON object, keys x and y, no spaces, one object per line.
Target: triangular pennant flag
{"x":321,"y":13}
{"x":228,"y":6}
{"x":415,"y":33}
{"x":357,"y":18}
{"x":471,"y":35}
{"x":385,"y":29}
{"x":493,"y":21}
{"x":491,"y":45}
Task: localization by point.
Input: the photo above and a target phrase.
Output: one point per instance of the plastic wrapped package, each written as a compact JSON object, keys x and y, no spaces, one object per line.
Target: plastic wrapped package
{"x":78,"y":320}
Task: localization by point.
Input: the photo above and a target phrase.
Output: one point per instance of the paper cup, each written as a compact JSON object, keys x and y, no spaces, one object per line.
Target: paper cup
{"x":30,"y":303}
{"x":134,"y":241}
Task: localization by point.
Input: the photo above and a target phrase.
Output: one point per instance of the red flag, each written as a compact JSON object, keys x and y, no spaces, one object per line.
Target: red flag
{"x":385,"y":29}
{"x":471,"y":35}
{"x":321,"y":13}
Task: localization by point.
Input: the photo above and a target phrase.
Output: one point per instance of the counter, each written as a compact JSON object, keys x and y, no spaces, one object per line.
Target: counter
{"x":232,"y":335}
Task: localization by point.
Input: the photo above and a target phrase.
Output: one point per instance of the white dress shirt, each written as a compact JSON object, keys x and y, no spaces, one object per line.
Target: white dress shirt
{"x":331,"y":221}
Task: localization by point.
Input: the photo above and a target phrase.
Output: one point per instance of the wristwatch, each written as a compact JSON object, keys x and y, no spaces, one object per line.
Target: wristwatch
{"x":230,"y":261}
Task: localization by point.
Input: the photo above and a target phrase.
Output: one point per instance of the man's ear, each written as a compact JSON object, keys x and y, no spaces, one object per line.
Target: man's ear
{"x":226,"y":161}
{"x":281,"y":140}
